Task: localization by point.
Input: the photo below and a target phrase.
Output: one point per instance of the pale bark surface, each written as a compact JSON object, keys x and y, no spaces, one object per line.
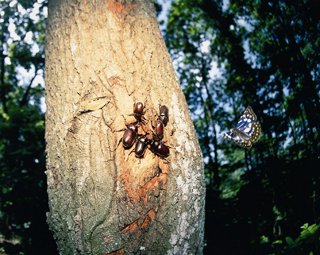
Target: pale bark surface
{"x":101,"y":57}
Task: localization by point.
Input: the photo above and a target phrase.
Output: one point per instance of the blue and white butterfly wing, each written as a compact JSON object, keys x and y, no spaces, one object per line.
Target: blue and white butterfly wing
{"x":245,"y":123}
{"x":247,"y":130}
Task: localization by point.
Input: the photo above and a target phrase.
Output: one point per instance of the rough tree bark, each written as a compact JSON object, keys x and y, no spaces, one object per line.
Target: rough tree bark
{"x":101,"y":57}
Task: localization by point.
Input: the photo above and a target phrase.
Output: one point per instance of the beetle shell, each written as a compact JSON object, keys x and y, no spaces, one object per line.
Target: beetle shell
{"x":138,"y":110}
{"x":164,"y":114}
{"x":158,"y":131}
{"x":141,"y":146}
{"x":129,"y":136}
{"x":160,"y":149}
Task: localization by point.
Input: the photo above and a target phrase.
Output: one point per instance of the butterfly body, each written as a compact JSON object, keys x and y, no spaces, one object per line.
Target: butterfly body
{"x":247,"y":130}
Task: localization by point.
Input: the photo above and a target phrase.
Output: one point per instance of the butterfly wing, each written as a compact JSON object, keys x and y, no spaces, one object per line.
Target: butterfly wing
{"x":256,"y":131}
{"x":241,"y":138}
{"x":247,"y":130}
{"x":245,"y":123}
{"x":238,"y":138}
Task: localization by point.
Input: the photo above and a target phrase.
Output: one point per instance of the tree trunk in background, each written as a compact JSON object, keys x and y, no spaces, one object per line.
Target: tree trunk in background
{"x":101,"y":57}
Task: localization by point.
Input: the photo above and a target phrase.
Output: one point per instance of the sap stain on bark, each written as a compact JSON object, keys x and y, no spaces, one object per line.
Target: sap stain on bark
{"x":120,"y":6}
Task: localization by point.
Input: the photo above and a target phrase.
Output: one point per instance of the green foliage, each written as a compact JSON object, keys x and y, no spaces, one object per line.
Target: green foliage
{"x":305,"y":243}
{"x":266,"y":55}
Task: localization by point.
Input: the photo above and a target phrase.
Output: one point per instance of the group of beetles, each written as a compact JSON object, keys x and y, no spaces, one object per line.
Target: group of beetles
{"x":152,"y":138}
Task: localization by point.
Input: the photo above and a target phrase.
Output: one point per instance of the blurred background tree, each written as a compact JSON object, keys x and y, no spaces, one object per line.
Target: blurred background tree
{"x":23,"y":198}
{"x":228,"y":54}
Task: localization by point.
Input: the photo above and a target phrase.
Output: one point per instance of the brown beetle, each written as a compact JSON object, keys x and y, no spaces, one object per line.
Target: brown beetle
{"x":164,"y":114}
{"x":129,"y":136}
{"x":160,"y":149}
{"x":141,"y":146}
{"x":158,"y":131}
{"x":138,"y":112}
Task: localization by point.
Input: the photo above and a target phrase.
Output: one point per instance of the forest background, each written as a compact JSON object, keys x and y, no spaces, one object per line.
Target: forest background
{"x":228,"y":55}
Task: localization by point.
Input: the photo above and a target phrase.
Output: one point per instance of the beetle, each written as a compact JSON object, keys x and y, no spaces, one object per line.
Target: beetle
{"x":138,"y":112}
{"x":163,"y":114}
{"x":160,"y":149}
{"x":158,"y":131}
{"x":129,"y":135}
{"x":141,"y":146}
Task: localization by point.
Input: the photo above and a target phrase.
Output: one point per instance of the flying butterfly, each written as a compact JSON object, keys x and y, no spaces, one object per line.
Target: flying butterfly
{"x":247,"y":130}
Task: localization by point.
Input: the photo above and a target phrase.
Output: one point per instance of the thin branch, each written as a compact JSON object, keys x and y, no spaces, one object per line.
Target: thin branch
{"x":24,"y":99}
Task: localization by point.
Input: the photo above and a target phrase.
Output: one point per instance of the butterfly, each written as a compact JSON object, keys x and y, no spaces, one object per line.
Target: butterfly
{"x":247,"y":130}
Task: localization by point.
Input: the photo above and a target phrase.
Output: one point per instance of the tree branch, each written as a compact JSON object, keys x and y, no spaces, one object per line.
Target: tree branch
{"x":24,"y":99}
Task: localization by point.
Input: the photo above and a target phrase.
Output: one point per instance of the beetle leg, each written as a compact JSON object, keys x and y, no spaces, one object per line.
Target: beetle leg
{"x":133,"y":150}
{"x":117,"y":145}
{"x":144,"y":120}
{"x":125,"y":120}
{"x":120,"y":130}
{"x":166,"y":161}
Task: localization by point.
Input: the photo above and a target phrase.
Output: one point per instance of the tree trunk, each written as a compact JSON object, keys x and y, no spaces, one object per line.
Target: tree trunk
{"x":101,"y":58}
